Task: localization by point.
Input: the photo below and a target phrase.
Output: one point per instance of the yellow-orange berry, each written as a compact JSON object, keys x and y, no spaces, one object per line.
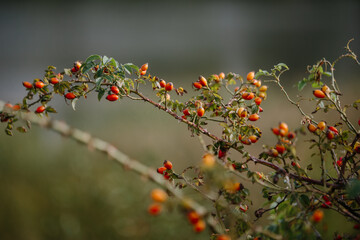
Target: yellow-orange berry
{"x":262,"y":95}
{"x":54,"y":80}
{"x":200,"y":111}
{"x":250,"y":76}
{"x":317,"y":215}
{"x":144,"y":67}
{"x":284,"y":126}
{"x":253,"y":138}
{"x":241,"y":112}
{"x":221,"y":75}
{"x":199,"y":226}
{"x":202,"y":81}
{"x":321,"y":125}
{"x":263,"y":88}
{"x":159,"y":195}
{"x":311,"y":127}
{"x":273,"y":152}
{"x":208,"y":160}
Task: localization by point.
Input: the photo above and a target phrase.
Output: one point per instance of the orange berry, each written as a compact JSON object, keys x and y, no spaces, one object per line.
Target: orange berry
{"x":161,"y":170}
{"x":311,"y":127}
{"x":77,"y":65}
{"x":200,"y":111}
{"x":275,"y":131}
{"x":186,"y":112}
{"x":168,"y":164}
{"x":282,"y":132}
{"x":162,"y":83}
{"x":237,"y":89}
{"x":221,"y":75}
{"x":158,"y":195}
{"x":280,"y":148}
{"x":169,"y":86}
{"x":197,"y":85}
{"x":40,"y":109}
{"x":334,"y":130}
{"x":248,"y":95}
{"x":208,"y":160}
{"x":273,"y":152}
{"x":317,"y":215}
{"x":115,"y":89}
{"x":291,"y":135}
{"x":284,"y":126}
{"x":318,"y":93}
{"x":27,"y":85}
{"x":260,"y":109}
{"x":54,"y":80}
{"x":258,"y":100}
{"x":257,"y":83}
{"x":263,"y":88}
{"x":241,"y":112}
{"x":96,"y":68}
{"x":321,"y":125}
{"x":142,"y":73}
{"x":144,"y":67}
{"x":254,"y":117}
{"x":245,"y":141}
{"x":202,"y":81}
{"x":253,"y":138}
{"x":70,"y":96}
{"x":216,"y":78}
{"x":325,"y":89}
{"x":199,"y":226}
{"x":250,"y":76}
{"x":16,"y":107}
{"x":262,"y":95}
{"x":39,"y":84}
{"x":223,"y":237}
{"x":193,"y":217}
{"x":112,"y":97}
{"x":155,"y":209}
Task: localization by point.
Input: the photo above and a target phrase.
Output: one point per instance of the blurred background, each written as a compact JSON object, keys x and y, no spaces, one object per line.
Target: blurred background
{"x":53,"y":188}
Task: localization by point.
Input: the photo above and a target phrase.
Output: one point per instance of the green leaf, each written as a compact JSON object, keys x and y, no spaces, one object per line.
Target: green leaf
{"x":327,"y":74}
{"x":283,"y":65}
{"x":316,"y":84}
{"x":353,"y":189}
{"x":305,"y":201}
{"x":98,"y":82}
{"x":86,"y":67}
{"x":131,"y":68}
{"x":50,"y":109}
{"x":101,"y":93}
{"x":92,"y":58}
{"x":8,"y":132}
{"x":301,"y":85}
{"x":105,"y":60}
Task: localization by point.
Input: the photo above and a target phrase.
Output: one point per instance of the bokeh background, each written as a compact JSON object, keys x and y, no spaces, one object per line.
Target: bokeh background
{"x":53,"y":188}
